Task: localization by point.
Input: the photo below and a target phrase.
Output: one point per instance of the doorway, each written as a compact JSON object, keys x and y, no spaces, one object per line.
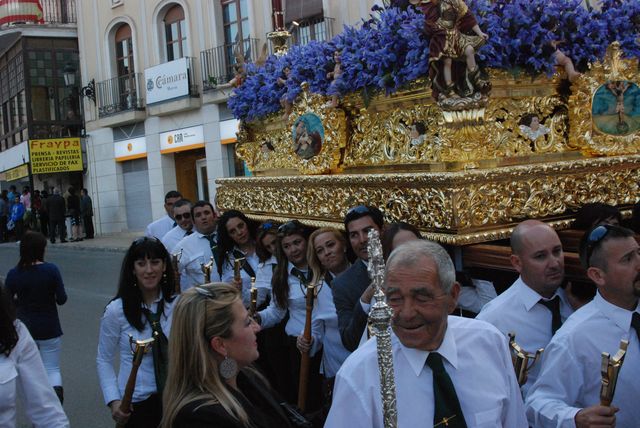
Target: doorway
{"x":187,"y":173}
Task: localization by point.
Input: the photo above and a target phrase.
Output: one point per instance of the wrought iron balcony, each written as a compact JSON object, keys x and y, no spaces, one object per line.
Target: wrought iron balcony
{"x":319,"y":28}
{"x":120,"y":94}
{"x":14,"y":12}
{"x":217,"y":63}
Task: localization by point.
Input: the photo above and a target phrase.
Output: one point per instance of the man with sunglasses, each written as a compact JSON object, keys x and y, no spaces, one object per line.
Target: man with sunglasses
{"x":352,"y":291}
{"x":182,"y":216}
{"x":164,"y":224}
{"x":535,"y":305}
{"x":198,"y":248}
{"x":567,"y":391}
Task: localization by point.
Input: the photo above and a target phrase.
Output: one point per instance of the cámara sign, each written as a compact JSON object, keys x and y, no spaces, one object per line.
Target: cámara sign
{"x":167,"y":81}
{"x":55,"y":155}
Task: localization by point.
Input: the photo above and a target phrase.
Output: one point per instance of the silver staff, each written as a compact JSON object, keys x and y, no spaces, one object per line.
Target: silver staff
{"x":380,"y":321}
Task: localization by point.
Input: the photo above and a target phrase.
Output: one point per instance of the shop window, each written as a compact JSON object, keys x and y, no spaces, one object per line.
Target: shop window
{"x":175,"y":29}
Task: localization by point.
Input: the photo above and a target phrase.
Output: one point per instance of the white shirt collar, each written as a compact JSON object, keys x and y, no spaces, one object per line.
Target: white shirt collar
{"x":417,"y":358}
{"x":619,"y":316}
{"x":530,"y":297}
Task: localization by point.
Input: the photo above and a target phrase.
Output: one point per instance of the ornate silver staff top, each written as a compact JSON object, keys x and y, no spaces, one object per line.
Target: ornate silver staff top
{"x":380,"y":321}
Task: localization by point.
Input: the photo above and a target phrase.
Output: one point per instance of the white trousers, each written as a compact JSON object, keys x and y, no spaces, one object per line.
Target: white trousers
{"x":50,"y":354}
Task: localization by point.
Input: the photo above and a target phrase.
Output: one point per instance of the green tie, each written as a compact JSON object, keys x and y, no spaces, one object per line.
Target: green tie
{"x":447,"y":411}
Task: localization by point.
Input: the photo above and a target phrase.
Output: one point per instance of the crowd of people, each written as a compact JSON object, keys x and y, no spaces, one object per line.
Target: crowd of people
{"x":225,"y":300}
{"x":46,"y":213}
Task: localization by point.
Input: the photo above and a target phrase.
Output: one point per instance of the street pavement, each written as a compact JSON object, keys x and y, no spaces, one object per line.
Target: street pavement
{"x":90,"y":271}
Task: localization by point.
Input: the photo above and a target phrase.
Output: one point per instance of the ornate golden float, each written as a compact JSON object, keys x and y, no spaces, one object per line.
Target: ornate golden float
{"x":468,"y":176}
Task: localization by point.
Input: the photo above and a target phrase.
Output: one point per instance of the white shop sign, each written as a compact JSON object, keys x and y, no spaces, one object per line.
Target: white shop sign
{"x":167,"y":81}
{"x":182,"y":139}
{"x":134,"y":148}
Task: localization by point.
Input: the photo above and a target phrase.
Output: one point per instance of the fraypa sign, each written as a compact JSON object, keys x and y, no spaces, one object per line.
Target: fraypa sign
{"x":167,"y":81}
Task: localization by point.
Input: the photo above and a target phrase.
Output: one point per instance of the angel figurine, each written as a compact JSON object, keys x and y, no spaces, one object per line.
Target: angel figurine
{"x":284,"y":101}
{"x":337,"y":84}
{"x":531,"y":127}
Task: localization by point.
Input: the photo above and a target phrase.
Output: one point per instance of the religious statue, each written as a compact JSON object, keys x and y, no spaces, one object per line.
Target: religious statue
{"x":454,"y":37}
{"x":337,"y":84}
{"x":284,"y":101}
{"x":531,"y":127}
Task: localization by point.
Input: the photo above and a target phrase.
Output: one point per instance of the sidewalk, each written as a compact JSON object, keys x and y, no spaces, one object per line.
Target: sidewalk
{"x":116,"y":242}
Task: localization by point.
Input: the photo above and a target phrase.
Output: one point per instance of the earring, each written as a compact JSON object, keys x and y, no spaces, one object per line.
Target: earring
{"x":135,"y":283}
{"x":164,"y":278}
{"x":228,"y":368}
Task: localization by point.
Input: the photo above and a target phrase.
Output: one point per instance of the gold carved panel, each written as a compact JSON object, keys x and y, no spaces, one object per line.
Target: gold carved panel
{"x":617,"y":79}
{"x":453,"y":207}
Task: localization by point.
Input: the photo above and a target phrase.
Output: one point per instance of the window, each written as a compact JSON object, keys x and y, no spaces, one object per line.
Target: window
{"x":124,"y":51}
{"x":176,"y":33}
{"x":235,"y":17}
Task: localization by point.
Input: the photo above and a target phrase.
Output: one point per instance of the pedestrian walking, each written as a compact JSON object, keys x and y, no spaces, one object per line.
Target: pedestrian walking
{"x":86,"y":211}
{"x":37,"y":288}
{"x":56,"y":208}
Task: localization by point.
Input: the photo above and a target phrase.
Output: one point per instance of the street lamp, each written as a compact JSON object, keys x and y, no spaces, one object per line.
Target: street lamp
{"x":69,"y":74}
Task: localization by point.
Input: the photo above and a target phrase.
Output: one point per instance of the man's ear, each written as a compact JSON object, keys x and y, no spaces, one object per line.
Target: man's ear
{"x":217,"y":344}
{"x":596,"y":275}
{"x":516,"y":262}
{"x":454,"y":293}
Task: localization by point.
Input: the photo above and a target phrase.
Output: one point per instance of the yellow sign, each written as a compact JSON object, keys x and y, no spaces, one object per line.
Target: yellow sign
{"x":17,"y":172}
{"x":55,"y":155}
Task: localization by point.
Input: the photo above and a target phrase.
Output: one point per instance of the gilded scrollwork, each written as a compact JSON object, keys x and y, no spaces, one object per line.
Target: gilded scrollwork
{"x":584,"y":133}
{"x":268,"y":146}
{"x":453,"y":207}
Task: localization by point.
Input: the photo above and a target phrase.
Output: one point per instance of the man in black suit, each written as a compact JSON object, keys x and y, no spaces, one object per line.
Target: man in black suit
{"x":352,"y":291}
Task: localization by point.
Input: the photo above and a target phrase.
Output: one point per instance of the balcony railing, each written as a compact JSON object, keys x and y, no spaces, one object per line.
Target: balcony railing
{"x":217,"y":63}
{"x":120,"y":94}
{"x":319,"y":28}
{"x":194,"y":89}
{"x":52,"y":12}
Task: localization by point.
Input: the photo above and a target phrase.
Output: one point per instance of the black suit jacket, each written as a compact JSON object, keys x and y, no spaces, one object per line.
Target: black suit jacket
{"x":347,"y":289}
{"x":257,"y":399}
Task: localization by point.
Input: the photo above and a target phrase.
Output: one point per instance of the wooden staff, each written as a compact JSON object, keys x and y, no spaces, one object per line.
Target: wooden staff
{"x":305,"y":360}
{"x":139,"y":348}
{"x":175,"y":261}
{"x":254,"y":297}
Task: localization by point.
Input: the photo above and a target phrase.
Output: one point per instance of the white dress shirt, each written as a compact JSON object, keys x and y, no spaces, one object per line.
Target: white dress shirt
{"x":264,"y":273}
{"x":23,"y":376}
{"x":227,"y":276}
{"x":196,"y":250}
{"x":570,"y":376}
{"x":160,"y":227}
{"x":517,"y":310}
{"x":296,"y":305}
{"x":475,"y":356}
{"x":114,"y":337}
{"x":172,"y":237}
{"x":325,"y":331}
{"x":474,"y":298}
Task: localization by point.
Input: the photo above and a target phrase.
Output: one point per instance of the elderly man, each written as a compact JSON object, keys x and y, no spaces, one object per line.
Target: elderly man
{"x":449,"y":371}
{"x":198,"y":248}
{"x":534,"y":306}
{"x":567,"y":391}
{"x":352,"y":292}
{"x":182,"y":216}
{"x":165,"y":223}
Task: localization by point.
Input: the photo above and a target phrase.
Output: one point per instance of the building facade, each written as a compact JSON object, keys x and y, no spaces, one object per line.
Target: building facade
{"x":160,"y":121}
{"x":39,"y":95}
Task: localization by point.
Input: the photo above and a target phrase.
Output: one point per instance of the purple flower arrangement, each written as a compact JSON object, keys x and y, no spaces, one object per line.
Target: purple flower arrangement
{"x":389,"y":50}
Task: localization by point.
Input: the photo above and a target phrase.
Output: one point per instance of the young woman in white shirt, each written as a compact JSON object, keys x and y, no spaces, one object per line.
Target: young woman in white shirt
{"x":141,"y":309}
{"x":288,"y":287}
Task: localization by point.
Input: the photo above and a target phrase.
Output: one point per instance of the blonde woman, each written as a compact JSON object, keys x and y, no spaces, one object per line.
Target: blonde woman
{"x":210,"y":383}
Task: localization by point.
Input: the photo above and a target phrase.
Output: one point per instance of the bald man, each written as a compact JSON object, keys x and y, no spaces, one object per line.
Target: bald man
{"x":534,"y":306}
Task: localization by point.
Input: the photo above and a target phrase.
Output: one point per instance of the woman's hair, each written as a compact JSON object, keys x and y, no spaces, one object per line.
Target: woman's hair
{"x":267,"y":228}
{"x":128,"y":289}
{"x":225,"y":241}
{"x":201,"y":313}
{"x":391,"y":231}
{"x":312,"y":258}
{"x":280,"y":278}
{"x":8,"y":333}
{"x":32,"y":247}
{"x":592,"y":214}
